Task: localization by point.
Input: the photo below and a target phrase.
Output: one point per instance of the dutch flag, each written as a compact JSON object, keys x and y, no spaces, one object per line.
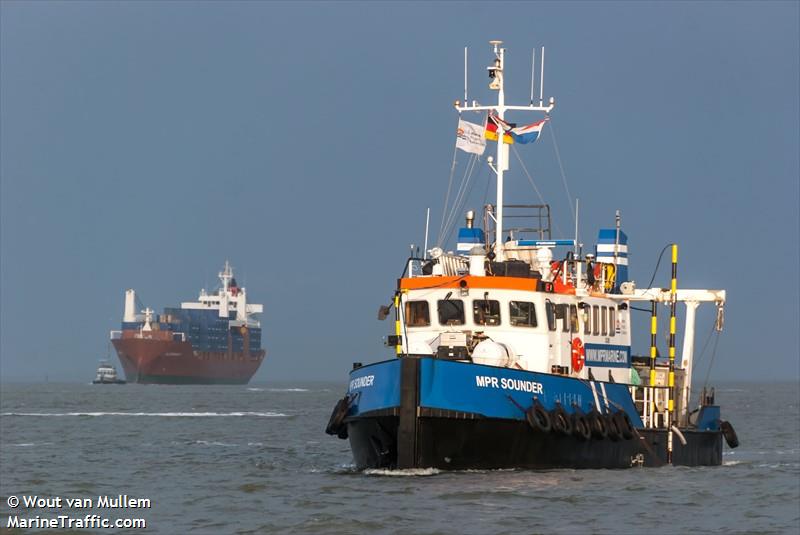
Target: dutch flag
{"x":528,"y":133}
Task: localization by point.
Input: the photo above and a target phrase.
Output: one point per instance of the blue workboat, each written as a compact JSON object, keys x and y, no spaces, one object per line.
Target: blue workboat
{"x":514,"y":350}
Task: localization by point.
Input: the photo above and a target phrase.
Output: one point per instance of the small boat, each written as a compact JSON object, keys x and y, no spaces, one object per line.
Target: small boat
{"x":107,"y":375}
{"x":514,"y":351}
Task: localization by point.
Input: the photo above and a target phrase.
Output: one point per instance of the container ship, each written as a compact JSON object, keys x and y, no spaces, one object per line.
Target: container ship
{"x":214,"y":340}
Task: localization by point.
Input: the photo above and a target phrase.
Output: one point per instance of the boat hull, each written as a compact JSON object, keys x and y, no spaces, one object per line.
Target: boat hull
{"x":156,"y":361}
{"x":395,"y":425}
{"x":461,"y":444}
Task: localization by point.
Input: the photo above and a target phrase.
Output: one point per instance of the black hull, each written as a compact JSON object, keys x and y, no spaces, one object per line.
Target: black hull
{"x":482,"y":443}
{"x":411,"y":436}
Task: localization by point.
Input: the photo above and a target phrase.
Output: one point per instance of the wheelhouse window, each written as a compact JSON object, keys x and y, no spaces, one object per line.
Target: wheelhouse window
{"x":522,"y":314}
{"x":417,"y":314}
{"x":586,"y":312}
{"x":451,"y":311}
{"x":573,"y":318}
{"x":595,"y":320}
{"x":563,"y":314}
{"x":550,"y":310}
{"x":612,"y":321}
{"x":604,"y":315}
{"x":486,"y":312}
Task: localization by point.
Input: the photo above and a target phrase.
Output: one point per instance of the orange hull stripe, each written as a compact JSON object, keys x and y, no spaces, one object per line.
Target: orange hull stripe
{"x":496,"y":283}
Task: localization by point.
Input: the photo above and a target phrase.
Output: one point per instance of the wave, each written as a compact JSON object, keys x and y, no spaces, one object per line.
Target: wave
{"x":278,"y":390}
{"x":212,"y":443}
{"x":408,"y":472}
{"x":161,"y":414}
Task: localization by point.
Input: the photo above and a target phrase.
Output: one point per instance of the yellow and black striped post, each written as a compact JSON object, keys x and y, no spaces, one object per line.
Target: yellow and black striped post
{"x":398,"y":329}
{"x":653,"y":333}
{"x":673,"y":298}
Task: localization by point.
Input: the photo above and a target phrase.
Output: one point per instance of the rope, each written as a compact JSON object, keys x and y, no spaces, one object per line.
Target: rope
{"x":699,"y":359}
{"x":561,"y":168}
{"x":527,"y":174}
{"x":447,"y":214}
{"x":447,"y":197}
{"x":667,"y":246}
{"x":711,"y":362}
{"x":451,"y":227}
{"x":530,"y":179}
{"x":458,"y":201}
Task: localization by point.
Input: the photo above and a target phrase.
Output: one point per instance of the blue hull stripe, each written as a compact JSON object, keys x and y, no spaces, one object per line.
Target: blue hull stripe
{"x":375,"y":386}
{"x":478,"y":389}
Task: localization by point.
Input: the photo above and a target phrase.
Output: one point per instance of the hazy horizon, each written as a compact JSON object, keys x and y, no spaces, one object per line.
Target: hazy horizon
{"x":144,"y":143}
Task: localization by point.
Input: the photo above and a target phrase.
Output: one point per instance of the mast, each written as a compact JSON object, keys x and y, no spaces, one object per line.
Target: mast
{"x":225,"y":276}
{"x":502,"y":148}
{"x":496,"y":70}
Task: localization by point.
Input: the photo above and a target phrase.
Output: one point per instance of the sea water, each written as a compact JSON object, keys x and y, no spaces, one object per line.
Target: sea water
{"x":255,"y":459}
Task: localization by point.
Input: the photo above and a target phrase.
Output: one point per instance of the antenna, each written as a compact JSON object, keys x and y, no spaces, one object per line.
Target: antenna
{"x":533,"y":69}
{"x":541,"y":80}
{"x":577,"y":212}
{"x":498,"y":166}
{"x":427,"y":220}
{"x":465,"y":76}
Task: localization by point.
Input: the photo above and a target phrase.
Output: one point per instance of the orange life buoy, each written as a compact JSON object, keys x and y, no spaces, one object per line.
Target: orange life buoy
{"x":578,"y":354}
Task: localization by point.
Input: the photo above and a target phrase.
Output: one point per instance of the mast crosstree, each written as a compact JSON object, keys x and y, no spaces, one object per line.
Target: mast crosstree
{"x":496,"y":73}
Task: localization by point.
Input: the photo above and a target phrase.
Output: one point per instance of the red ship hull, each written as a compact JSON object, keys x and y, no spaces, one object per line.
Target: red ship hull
{"x":160,"y":359}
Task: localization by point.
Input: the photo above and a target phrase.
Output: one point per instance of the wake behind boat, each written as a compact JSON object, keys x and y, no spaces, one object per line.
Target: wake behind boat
{"x":515,"y":351}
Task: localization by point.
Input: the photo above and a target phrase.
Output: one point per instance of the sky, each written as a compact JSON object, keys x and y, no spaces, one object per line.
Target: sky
{"x":144,"y":143}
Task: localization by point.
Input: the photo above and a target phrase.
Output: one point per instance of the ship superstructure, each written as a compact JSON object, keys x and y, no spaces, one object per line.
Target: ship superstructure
{"x":515,"y":350}
{"x":214,"y":340}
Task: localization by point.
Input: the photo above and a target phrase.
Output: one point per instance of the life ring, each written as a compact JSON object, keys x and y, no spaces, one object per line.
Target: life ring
{"x":580,"y":425}
{"x":336,"y":425}
{"x":538,"y":417}
{"x":578,"y":355}
{"x":597,"y":424}
{"x":561,"y":421}
{"x":624,"y":424}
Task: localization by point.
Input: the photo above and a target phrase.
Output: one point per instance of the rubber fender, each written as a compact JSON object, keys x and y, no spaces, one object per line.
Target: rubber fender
{"x":562,"y":423}
{"x":580,"y":425}
{"x":614,"y":432}
{"x":729,"y":434}
{"x":597,"y":424}
{"x":336,"y":425}
{"x":624,"y":424}
{"x":538,"y":417}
